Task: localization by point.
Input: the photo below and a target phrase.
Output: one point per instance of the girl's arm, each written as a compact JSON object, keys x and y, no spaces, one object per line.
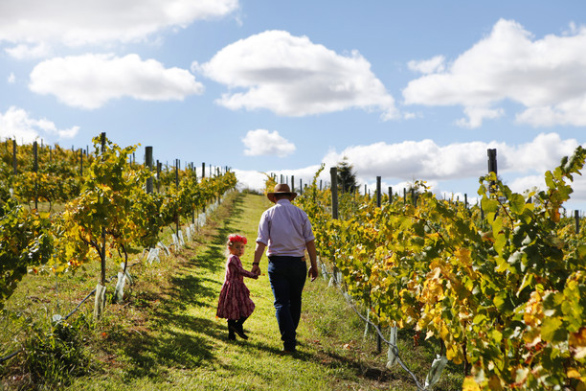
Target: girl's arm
{"x":237,"y":268}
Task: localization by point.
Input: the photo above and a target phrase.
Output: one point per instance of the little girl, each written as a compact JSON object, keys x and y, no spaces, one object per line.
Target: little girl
{"x":235,"y":303}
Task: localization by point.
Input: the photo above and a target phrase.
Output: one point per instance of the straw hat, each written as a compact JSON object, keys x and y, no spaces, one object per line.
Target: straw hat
{"x":281,"y":188}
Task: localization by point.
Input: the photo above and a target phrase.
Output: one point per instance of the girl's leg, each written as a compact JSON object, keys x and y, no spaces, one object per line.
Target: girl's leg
{"x":235,"y":328}
{"x":240,"y":323}
{"x":231,"y":329}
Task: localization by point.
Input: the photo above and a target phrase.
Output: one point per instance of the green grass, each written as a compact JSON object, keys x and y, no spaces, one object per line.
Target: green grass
{"x":165,"y":335}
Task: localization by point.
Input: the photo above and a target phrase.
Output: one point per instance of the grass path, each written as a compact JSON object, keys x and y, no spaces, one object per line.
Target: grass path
{"x":175,"y":341}
{"x":170,"y":338}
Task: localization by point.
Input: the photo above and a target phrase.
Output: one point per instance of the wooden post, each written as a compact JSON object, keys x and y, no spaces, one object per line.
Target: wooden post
{"x":292,"y":182}
{"x":149,"y":163}
{"x":378,"y":191}
{"x":378,"y":204}
{"x":177,"y":187}
{"x":334,"y":188}
{"x":404,"y":196}
{"x":103,"y":258}
{"x":159,"y":168}
{"x":492,"y":165}
{"x":390,"y":194}
{"x":203,"y":170}
{"x":81,"y":162}
{"x":14,"y":162}
{"x":577,"y":219}
{"x":35,"y":170}
{"x":103,"y":141}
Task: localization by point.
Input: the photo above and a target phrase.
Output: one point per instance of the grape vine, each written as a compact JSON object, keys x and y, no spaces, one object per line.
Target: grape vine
{"x":503,"y":285}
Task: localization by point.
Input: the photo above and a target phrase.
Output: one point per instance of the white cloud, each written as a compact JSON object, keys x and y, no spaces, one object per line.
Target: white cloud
{"x":292,"y":76}
{"x":11,"y":78}
{"x":261,"y":142}
{"x":477,"y":114}
{"x":546,"y":76}
{"x":252,"y":180}
{"x":76,"y":23}
{"x":17,"y":124}
{"x":444,"y":168}
{"x":91,"y":80}
{"x":24,"y":51}
{"x":433,"y":65}
{"x":525,"y":183}
{"x":255,"y":180}
{"x":426,"y":160}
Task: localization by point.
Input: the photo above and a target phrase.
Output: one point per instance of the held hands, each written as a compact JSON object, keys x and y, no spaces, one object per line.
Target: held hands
{"x":256,"y":270}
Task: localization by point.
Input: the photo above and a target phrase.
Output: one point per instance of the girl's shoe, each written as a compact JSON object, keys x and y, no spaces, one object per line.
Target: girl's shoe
{"x":231,"y":330}
{"x":238,"y":330}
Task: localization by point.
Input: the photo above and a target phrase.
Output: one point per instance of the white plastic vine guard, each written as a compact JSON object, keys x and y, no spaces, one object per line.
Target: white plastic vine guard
{"x":165,"y":248}
{"x":119,"y":292}
{"x":153,"y":255}
{"x":367,"y":324}
{"x":437,"y":367}
{"x":100,"y":302}
{"x":180,"y":238}
{"x":391,"y":356}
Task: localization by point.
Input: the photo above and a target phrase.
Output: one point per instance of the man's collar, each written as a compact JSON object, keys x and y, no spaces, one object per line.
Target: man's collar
{"x":283,"y":200}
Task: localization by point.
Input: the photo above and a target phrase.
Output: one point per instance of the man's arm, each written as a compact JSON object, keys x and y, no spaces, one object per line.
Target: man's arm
{"x":312,"y":259}
{"x":258,"y":252}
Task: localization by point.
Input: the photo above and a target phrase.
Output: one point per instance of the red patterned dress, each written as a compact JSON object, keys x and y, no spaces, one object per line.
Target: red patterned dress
{"x":235,"y":302}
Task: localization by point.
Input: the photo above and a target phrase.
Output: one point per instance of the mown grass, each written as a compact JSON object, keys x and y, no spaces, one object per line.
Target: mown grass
{"x":165,"y":335}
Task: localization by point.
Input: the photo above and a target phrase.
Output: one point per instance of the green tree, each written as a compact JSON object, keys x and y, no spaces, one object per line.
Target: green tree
{"x":346,"y":176}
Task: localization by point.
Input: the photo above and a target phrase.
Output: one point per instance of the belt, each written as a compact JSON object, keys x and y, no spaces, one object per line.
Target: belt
{"x":273,"y":258}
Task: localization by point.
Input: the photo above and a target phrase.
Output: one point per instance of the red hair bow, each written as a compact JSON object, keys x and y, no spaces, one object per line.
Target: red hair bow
{"x":237,"y":238}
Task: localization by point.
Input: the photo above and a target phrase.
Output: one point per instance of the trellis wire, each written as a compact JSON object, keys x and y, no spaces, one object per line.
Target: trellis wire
{"x":392,"y":346}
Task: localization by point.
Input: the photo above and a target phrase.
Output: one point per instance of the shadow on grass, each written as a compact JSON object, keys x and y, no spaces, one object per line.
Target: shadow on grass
{"x":174,"y":347}
{"x":182,"y":340}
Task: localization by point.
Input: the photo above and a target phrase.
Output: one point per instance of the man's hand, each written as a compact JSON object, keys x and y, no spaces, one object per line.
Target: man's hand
{"x":258,"y":251}
{"x":312,"y":273}
{"x":312,"y":259}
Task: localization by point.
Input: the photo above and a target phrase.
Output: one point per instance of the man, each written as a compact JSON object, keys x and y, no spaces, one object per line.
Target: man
{"x":286,"y":230}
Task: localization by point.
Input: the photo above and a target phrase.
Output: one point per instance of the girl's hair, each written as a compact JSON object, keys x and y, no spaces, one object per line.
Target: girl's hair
{"x":233,"y":239}
{"x":236,"y":238}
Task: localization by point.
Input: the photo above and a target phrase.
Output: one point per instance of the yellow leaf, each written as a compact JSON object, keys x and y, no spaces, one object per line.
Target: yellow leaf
{"x":454,"y":354}
{"x":444,"y":332}
{"x":573,"y":373}
{"x":470,"y":384}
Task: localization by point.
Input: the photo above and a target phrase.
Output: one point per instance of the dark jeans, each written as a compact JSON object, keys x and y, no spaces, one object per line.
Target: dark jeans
{"x":287,"y":276}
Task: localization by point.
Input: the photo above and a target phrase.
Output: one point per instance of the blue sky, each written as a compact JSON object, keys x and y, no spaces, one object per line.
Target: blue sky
{"x":404,"y":90}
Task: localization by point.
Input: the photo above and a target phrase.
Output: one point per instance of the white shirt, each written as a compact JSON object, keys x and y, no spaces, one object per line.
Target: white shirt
{"x":285,"y":229}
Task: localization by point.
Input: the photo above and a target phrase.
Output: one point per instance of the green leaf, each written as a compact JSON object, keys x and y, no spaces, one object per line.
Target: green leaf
{"x":552,"y":330}
{"x":489,"y":205}
{"x":517,"y":203}
{"x":527,"y":281}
